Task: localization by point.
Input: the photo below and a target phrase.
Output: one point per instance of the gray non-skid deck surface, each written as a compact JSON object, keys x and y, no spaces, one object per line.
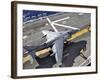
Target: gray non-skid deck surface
{"x":33,"y":31}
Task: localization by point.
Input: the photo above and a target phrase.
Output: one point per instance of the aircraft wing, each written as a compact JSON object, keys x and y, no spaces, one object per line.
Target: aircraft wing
{"x":58,"y":49}
{"x":50,"y":36}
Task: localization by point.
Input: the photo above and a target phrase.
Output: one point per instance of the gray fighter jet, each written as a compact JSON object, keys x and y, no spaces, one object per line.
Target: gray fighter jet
{"x":56,"y":39}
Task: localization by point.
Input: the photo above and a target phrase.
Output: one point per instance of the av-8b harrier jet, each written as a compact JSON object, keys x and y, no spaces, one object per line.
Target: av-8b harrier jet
{"x":56,"y":39}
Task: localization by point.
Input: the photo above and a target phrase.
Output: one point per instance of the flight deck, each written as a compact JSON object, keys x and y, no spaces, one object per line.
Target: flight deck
{"x":33,"y":36}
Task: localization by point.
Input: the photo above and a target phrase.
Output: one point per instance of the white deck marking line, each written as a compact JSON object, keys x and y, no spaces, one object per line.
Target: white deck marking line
{"x":52,"y":25}
{"x":81,"y":14}
{"x":24,"y":37}
{"x":86,"y":61}
{"x":66,"y":26}
{"x":60,"y":19}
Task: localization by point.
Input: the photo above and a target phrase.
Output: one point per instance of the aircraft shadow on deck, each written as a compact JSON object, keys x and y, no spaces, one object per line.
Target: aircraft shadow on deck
{"x":71,"y":51}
